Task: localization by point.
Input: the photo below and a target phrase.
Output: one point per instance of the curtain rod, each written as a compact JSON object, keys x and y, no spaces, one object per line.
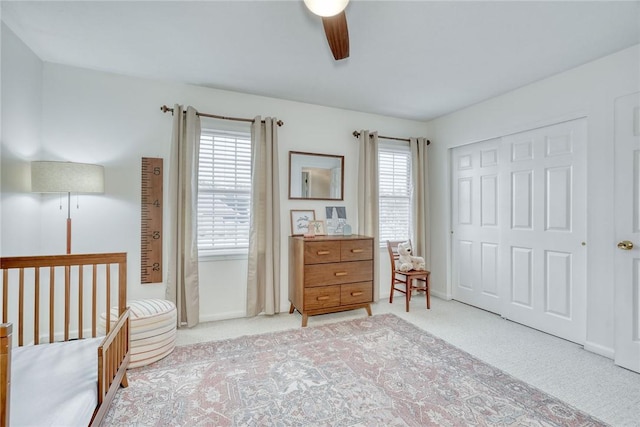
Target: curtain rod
{"x":357,"y":135}
{"x":166,"y":109}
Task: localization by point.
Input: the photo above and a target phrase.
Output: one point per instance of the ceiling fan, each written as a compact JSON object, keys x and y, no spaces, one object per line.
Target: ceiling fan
{"x":334,"y":21}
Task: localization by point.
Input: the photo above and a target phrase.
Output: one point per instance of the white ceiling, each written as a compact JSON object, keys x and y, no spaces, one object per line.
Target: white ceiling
{"x":410,"y":59}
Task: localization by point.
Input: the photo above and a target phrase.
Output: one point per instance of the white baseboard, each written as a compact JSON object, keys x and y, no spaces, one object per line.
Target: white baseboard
{"x":600,"y":349}
{"x":222,"y":316}
{"x":441,"y":295}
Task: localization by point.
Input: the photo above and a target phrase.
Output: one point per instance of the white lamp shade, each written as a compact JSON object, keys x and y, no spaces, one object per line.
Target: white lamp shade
{"x":326,"y":7}
{"x":66,"y":177}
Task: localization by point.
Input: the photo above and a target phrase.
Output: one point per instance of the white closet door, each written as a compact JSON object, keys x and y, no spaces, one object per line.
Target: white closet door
{"x":475,"y":223}
{"x":519,"y":223}
{"x":544,"y":259}
{"x":627,"y":216}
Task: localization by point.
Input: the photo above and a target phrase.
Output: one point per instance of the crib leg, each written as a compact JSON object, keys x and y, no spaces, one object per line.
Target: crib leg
{"x":124,"y":383}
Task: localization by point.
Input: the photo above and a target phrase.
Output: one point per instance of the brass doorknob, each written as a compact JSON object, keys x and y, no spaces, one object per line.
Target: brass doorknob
{"x":625,"y":245}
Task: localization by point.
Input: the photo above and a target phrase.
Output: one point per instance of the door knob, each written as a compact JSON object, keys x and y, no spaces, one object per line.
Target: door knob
{"x":625,"y":245}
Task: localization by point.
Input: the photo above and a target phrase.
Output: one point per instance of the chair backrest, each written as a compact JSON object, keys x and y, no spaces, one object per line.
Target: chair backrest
{"x":392,"y":247}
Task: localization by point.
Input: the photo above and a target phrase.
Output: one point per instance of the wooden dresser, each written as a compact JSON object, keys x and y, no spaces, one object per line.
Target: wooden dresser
{"x":329,"y":274}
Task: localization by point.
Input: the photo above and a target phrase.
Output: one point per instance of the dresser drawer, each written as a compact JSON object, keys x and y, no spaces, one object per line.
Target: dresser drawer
{"x":321,"y":296}
{"x":321,"y":252}
{"x":337,"y":273}
{"x":355,"y":293}
{"x":356,"y":250}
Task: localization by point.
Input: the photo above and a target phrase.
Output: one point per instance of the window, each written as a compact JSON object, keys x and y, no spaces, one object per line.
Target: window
{"x":224,"y":192}
{"x":394,"y":162}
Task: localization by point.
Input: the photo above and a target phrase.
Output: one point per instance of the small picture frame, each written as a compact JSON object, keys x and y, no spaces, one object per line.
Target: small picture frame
{"x":318,"y":228}
{"x":300,"y":221}
{"x":336,"y":219}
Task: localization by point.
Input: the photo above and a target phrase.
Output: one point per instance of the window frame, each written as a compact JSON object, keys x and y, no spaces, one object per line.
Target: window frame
{"x":206,"y":252}
{"x":401,"y":149}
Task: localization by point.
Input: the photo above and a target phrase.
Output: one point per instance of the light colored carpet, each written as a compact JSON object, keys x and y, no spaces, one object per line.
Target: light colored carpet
{"x":563,"y":369}
{"x":373,"y":371}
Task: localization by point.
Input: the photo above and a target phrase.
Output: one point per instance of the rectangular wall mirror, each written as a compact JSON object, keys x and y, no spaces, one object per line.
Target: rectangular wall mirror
{"x":315,"y":176}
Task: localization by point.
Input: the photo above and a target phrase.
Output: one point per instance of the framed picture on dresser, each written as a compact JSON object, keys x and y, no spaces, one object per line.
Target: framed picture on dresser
{"x":336,"y":219}
{"x":300,"y":221}
{"x":317,"y":228}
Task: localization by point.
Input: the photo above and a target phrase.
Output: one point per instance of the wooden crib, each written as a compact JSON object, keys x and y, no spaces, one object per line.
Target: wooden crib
{"x":71,"y":291}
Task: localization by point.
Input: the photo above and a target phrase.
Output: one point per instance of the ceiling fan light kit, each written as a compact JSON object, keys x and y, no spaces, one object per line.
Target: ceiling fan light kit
{"x":326,"y":8}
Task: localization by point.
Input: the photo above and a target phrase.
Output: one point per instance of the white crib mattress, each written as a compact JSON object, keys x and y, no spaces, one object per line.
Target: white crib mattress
{"x":54,"y":384}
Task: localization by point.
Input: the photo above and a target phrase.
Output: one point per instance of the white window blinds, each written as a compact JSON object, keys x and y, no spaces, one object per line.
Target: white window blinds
{"x":394,"y":162}
{"x":224,"y":191}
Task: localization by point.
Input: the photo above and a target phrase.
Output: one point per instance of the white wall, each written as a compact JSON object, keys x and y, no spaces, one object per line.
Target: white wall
{"x":589,"y":90}
{"x":113,"y":120}
{"x":21,"y":135}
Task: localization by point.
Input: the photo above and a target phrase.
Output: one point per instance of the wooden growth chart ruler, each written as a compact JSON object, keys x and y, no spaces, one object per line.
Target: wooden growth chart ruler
{"x":152,"y":206}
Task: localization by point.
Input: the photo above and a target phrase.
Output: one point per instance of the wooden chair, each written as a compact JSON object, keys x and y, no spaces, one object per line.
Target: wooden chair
{"x":413,"y":280}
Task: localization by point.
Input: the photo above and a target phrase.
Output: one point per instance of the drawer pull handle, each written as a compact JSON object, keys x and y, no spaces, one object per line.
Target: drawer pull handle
{"x":340,"y":273}
{"x":356,"y":294}
{"x":322,"y":298}
{"x":357,"y":251}
{"x":323,"y":252}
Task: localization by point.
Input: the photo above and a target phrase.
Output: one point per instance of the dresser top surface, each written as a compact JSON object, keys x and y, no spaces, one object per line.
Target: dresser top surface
{"x":331,"y":238}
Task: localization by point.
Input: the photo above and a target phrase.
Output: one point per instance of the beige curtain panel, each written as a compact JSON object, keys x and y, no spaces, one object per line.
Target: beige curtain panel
{"x":420,"y":177}
{"x":182,"y":280}
{"x":368,"y":198}
{"x":263,"y":277}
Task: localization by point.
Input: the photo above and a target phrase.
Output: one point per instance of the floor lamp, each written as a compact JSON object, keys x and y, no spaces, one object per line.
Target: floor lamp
{"x":66,"y":177}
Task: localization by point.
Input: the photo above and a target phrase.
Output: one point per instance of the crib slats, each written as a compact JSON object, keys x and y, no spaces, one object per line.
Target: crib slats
{"x":36,"y":309}
{"x":67,"y":300}
{"x":5,"y":370}
{"x":108,"y":301}
{"x":94,"y":303}
{"x":122,"y":278}
{"x":52,"y":279}
{"x":80,"y":298}
{"x":21,"y":307}
{"x":113,"y":352}
{"x":22,"y":279}
{"x":5,"y":295}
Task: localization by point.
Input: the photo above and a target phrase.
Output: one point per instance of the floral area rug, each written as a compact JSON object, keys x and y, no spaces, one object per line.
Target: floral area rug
{"x":376,"y":371}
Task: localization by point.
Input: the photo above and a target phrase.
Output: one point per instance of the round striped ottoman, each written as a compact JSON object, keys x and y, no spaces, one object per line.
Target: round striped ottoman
{"x":152,"y":329}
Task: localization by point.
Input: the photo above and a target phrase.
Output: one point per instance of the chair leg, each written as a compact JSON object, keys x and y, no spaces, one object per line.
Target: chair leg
{"x":408,"y":294}
{"x":428,"y":292}
{"x":392,"y":289}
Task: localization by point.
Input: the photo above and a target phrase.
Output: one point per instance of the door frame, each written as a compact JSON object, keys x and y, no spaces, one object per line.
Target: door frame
{"x":626,"y":347}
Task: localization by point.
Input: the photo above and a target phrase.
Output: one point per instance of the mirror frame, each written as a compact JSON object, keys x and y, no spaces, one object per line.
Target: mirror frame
{"x":341,"y":158}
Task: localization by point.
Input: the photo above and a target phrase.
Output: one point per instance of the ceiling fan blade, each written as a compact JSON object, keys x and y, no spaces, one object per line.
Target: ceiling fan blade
{"x":335,"y":27}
